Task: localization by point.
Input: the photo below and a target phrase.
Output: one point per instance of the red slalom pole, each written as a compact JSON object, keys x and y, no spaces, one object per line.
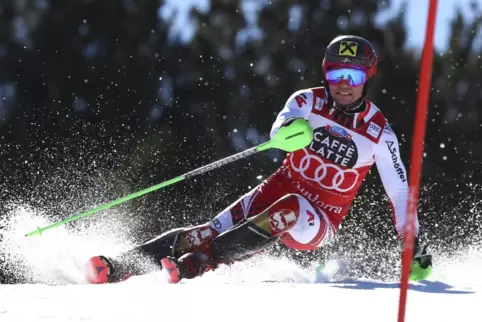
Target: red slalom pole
{"x":417,"y":155}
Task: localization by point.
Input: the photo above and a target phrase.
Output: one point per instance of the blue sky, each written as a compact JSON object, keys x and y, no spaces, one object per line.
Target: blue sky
{"x":416,"y":17}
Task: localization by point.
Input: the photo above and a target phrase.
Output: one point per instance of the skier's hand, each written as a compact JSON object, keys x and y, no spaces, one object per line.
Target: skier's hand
{"x":290,"y":120}
{"x":421,"y":265}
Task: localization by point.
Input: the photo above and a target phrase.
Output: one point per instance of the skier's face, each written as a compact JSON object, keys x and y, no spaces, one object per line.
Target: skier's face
{"x":345,"y":94}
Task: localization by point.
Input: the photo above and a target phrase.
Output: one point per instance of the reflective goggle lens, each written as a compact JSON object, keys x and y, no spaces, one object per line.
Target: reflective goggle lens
{"x":354,"y":77}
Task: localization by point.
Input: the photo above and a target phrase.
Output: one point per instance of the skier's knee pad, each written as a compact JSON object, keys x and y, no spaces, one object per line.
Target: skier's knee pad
{"x":312,"y":229}
{"x":281,"y":216}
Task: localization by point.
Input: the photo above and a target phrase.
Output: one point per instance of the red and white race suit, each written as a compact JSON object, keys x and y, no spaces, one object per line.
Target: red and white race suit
{"x":326,"y":175}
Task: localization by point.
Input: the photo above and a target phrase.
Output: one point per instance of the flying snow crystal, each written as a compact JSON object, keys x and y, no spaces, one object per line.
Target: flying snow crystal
{"x":442,"y":145}
{"x":57,"y":257}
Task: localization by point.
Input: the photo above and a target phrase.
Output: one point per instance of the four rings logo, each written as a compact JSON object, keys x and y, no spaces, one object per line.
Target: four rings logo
{"x":329,"y":159}
{"x":327,"y":175}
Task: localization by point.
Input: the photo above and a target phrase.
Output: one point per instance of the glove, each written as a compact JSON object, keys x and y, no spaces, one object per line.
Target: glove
{"x":290,"y":120}
{"x":294,"y":133}
{"x":421,"y":263}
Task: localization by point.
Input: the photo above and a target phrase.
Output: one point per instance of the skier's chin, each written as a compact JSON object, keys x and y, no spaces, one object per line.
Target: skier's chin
{"x":344,"y":99}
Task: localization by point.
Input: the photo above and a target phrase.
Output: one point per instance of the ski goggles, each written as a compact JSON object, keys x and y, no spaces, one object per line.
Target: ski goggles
{"x":354,"y":77}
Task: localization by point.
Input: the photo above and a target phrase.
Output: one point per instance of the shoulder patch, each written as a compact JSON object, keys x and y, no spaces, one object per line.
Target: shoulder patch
{"x":319,"y":99}
{"x":375,"y":127}
{"x":301,"y":100}
{"x":374,"y":130}
{"x":319,"y":91}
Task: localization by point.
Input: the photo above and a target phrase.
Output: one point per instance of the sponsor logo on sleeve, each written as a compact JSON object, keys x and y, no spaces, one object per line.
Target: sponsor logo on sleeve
{"x":319,"y":102}
{"x":216,"y":223}
{"x":396,"y":162}
{"x":374,"y":130}
{"x":301,"y":100}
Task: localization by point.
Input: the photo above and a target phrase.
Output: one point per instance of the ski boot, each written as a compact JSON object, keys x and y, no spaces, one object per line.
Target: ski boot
{"x":100,"y":270}
{"x":97,"y":270}
{"x":421,"y":264}
{"x":187,"y":267}
{"x":146,"y":257}
{"x":236,"y":244}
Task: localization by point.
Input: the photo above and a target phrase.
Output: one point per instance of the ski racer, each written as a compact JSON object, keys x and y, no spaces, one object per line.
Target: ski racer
{"x":303,"y":203}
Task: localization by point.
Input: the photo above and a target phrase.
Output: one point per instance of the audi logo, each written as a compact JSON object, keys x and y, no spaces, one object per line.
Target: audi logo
{"x":327,"y":175}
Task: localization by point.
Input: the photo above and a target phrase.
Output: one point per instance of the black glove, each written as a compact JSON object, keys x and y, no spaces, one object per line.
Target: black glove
{"x":290,"y":120}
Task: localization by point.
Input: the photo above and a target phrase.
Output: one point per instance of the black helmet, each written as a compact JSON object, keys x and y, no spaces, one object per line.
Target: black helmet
{"x":351,"y":51}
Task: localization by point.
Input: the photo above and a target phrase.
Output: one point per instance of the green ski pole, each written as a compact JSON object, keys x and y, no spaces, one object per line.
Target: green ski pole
{"x":290,"y":138}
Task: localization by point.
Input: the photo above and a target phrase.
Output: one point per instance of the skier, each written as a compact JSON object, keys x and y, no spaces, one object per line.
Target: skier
{"x":303,"y":203}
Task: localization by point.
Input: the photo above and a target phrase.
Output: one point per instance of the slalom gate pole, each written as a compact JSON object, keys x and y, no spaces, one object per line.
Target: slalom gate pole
{"x":417,"y":156}
{"x":290,"y":138}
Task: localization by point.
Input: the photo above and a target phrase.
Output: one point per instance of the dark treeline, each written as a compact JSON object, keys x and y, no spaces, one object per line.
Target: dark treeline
{"x":99,"y":99}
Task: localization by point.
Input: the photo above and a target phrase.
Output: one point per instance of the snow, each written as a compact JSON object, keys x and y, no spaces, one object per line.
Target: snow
{"x":264,"y":288}
{"x":148,"y":298}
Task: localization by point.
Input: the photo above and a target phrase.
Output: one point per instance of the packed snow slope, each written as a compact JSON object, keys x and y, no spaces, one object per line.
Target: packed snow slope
{"x":260,"y":289}
{"x":216,"y":298}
